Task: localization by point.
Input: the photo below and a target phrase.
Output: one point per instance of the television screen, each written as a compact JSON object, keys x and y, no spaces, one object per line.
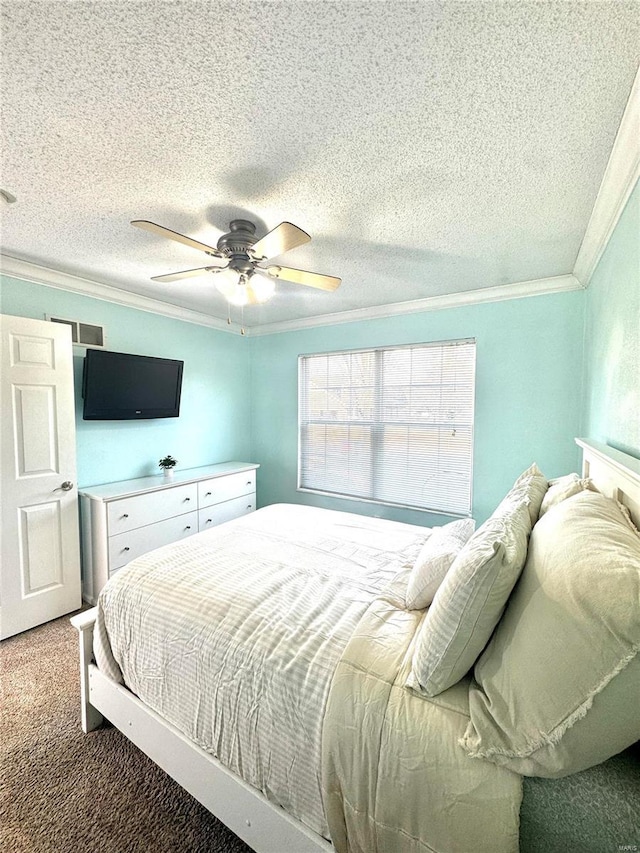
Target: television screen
{"x":118,"y":386}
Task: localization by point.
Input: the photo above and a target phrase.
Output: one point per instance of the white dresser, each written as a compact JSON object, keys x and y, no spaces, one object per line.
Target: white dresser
{"x":121,"y":521}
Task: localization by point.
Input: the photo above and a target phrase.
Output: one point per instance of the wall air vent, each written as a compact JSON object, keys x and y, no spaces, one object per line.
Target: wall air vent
{"x":82,"y":334}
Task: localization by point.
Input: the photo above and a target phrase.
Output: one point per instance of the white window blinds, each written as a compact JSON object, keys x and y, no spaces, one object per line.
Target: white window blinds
{"x":392,"y":425}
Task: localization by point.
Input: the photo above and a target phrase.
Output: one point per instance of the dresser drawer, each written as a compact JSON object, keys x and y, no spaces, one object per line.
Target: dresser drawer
{"x":217,"y":514}
{"x":140,"y":510}
{"x":226,"y":488}
{"x":126,"y":546}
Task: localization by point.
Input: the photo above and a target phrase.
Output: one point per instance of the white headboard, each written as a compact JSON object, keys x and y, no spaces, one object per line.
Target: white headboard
{"x":615,"y":474}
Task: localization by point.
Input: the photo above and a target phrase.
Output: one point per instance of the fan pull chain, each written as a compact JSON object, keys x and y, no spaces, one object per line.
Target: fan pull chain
{"x":242,"y":331}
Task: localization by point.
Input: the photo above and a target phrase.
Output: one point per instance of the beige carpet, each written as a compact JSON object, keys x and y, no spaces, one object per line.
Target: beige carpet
{"x":62,"y":790}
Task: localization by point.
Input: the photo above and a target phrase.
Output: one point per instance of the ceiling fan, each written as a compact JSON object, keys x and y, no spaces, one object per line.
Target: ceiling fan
{"x":240,"y":261}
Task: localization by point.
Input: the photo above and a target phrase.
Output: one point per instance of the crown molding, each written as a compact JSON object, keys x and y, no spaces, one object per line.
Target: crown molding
{"x":499,"y":293}
{"x":27,"y":271}
{"x":620,"y":177}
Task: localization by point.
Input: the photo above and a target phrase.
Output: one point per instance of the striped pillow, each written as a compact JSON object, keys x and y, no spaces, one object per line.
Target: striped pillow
{"x":532,"y":485}
{"x":469,"y":603}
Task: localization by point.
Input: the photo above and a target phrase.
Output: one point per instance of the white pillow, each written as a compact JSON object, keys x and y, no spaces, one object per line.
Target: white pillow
{"x":469,"y":603}
{"x":533,"y":485}
{"x":434,"y":561}
{"x":626,"y":515}
{"x":562,"y":488}
{"x":558,"y":688}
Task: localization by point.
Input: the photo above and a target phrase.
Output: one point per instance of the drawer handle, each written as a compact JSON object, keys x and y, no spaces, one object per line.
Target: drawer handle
{"x":188,"y":527}
{"x":126,"y":548}
{"x":248,"y":482}
{"x":208,"y":521}
{"x":187,"y":499}
{"x":126,"y":515}
{"x":207,"y":494}
{"x":248,"y":506}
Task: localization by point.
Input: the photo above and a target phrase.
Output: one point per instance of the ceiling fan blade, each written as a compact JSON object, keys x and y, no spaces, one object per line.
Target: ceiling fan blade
{"x":176,"y":276}
{"x":283,"y":238}
{"x":173,"y":235}
{"x":310,"y":279}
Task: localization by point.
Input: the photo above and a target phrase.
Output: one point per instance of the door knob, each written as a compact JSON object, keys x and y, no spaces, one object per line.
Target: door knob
{"x":66,"y":486}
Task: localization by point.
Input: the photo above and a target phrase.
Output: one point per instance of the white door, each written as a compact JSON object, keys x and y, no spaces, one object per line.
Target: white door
{"x":39,"y":540}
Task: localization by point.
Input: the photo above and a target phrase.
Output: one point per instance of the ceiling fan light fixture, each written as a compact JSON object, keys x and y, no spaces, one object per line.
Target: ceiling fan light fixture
{"x":236,"y":292}
{"x":226,"y":288}
{"x":240,"y":290}
{"x":263,"y":288}
{"x":239,"y":296}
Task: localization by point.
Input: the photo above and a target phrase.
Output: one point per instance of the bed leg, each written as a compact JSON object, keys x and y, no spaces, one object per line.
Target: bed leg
{"x":91,"y":718}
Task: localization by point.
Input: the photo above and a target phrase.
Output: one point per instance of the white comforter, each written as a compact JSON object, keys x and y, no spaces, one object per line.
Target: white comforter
{"x":395,"y":778}
{"x":233,"y":635}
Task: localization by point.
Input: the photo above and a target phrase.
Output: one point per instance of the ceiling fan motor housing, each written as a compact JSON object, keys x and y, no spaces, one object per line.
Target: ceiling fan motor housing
{"x":242,"y":236}
{"x":236,"y":244}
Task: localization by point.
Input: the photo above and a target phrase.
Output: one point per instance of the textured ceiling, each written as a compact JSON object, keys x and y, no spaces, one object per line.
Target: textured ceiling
{"x":428,"y":147}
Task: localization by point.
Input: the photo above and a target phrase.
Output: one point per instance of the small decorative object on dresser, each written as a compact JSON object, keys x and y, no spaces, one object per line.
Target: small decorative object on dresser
{"x":167,"y":464}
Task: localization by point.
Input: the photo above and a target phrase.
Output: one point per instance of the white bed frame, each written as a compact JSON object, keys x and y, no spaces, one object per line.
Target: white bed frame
{"x":616,"y":474}
{"x":266,"y":827}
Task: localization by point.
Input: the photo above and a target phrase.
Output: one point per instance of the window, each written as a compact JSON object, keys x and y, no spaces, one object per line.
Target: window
{"x":393,"y":425}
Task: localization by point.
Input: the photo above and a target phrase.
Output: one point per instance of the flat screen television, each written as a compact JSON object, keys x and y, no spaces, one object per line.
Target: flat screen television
{"x":117,"y":386}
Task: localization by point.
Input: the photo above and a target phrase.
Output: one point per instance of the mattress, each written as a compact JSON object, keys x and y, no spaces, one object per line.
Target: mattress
{"x":234,"y":634}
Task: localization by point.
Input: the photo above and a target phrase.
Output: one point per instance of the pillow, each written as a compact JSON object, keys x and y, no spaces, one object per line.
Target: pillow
{"x":562,"y":488}
{"x":532,"y":485}
{"x":468,"y":605}
{"x":627,"y":516}
{"x":434,"y":560}
{"x":558,"y":687}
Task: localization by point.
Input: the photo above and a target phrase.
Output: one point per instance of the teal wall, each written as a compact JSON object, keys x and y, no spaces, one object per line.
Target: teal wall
{"x":548,"y":368}
{"x":528,"y":392}
{"x":215,"y":407}
{"x":612,"y":338}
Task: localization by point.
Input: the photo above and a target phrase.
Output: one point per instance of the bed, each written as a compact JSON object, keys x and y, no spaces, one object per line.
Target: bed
{"x":279,"y":679}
